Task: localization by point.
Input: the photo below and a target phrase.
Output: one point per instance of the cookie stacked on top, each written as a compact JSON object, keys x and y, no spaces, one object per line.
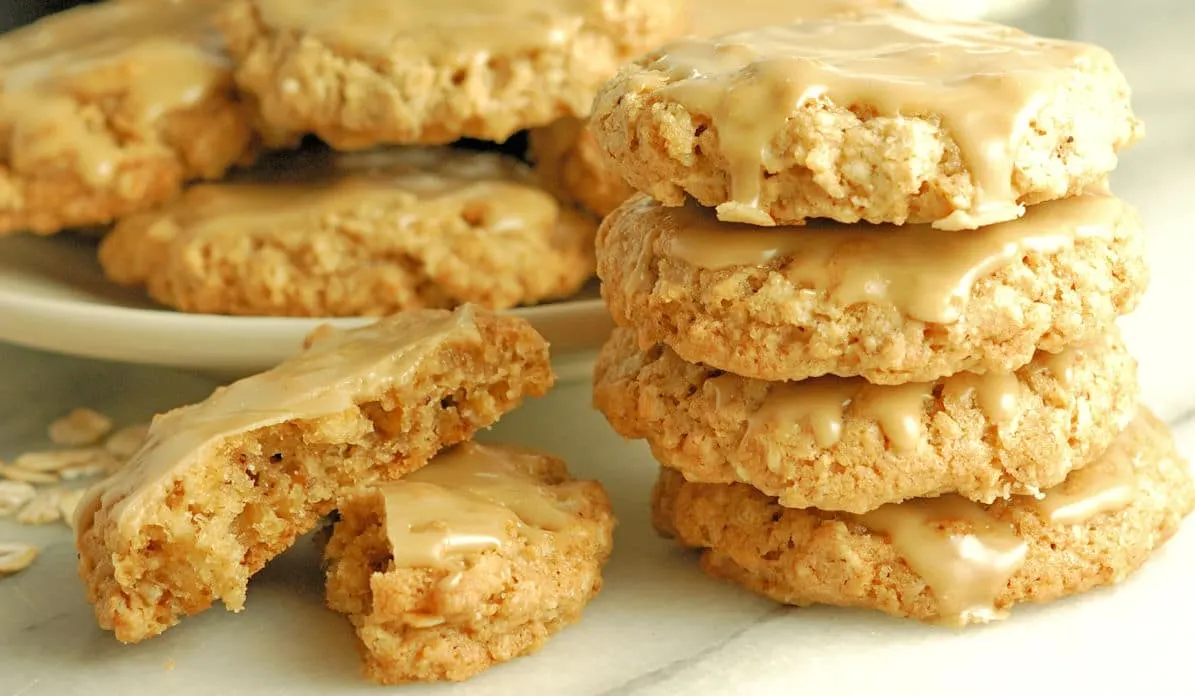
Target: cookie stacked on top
{"x":568,"y":159}
{"x":108,"y":109}
{"x":867,"y":313}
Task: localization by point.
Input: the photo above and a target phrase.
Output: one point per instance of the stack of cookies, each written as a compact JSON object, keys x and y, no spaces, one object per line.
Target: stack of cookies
{"x":866,"y":307}
{"x":113,"y":112}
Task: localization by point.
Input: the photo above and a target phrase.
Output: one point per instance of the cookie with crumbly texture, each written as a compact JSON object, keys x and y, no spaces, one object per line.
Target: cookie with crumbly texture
{"x":367,"y":234}
{"x":869,"y":117}
{"x":221,"y":487}
{"x":431,"y":602}
{"x":363,"y":73}
{"x":108,"y":109}
{"x":568,"y":159}
{"x":569,"y":163}
{"x":1093,"y":530}
{"x":890,"y":303}
{"x":838,"y":443}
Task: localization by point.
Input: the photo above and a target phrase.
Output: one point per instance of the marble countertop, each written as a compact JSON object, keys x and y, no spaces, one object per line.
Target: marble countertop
{"x":659,"y":626}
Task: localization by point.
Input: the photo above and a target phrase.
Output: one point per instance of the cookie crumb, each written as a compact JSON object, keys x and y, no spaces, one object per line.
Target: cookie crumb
{"x":82,"y":426}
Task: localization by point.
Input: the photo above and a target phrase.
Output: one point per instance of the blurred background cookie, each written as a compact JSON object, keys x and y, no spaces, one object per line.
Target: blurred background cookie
{"x":943,"y":560}
{"x":325,"y":234}
{"x":110,"y":108}
{"x":364,"y":72}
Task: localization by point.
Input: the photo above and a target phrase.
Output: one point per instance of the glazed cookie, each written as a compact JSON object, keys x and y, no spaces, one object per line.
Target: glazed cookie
{"x":893,"y":304}
{"x":716,"y":17}
{"x":364,"y":72}
{"x":568,"y":159}
{"x":944,"y":560}
{"x":870,"y":116}
{"x":221,"y":487}
{"x":107,"y":109}
{"x":569,"y":163}
{"x":351,"y":235}
{"x":473,"y":560}
{"x":838,"y":443}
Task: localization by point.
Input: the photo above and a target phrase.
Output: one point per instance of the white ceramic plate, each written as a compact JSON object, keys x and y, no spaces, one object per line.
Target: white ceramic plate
{"x":54,"y":297}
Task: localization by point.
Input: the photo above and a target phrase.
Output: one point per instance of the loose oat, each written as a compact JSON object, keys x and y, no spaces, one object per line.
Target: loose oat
{"x":43,"y":509}
{"x":67,"y":502}
{"x":53,"y":461}
{"x":124,"y":442}
{"x":81,"y":426}
{"x":15,"y":557}
{"x":16,"y":473}
{"x":101,"y":463}
{"x":14,"y":495}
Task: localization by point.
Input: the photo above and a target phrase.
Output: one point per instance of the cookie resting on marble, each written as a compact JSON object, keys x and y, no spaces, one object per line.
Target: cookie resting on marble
{"x":108,"y":109}
{"x":475,"y":559}
{"x":221,"y":487}
{"x":943,"y":560}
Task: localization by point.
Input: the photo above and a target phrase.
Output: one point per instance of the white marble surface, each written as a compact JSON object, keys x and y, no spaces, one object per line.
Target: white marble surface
{"x":660,"y":627}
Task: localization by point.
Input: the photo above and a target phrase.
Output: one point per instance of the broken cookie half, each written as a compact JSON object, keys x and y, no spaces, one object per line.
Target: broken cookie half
{"x":221,"y":487}
{"x":473,"y":560}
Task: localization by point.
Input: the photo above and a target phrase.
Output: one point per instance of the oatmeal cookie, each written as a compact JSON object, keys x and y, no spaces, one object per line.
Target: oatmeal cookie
{"x":893,"y":304}
{"x":837,"y":443}
{"x":367,"y":234}
{"x":364,"y":72}
{"x":943,"y":560}
{"x":568,"y":159}
{"x":476,"y":559}
{"x":108,"y":109}
{"x":569,"y":163}
{"x":220,"y":488}
{"x":883,"y":116}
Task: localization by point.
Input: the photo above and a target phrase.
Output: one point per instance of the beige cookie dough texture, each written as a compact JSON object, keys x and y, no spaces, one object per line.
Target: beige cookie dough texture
{"x":707,"y":425}
{"x":807,"y":557}
{"x":355,"y":99}
{"x":848,"y":163}
{"x":413,"y":626}
{"x":77,"y":149}
{"x":213,"y":524}
{"x":568,"y":158}
{"x":756,"y":322}
{"x":364,"y":257}
{"x":569,"y":163}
